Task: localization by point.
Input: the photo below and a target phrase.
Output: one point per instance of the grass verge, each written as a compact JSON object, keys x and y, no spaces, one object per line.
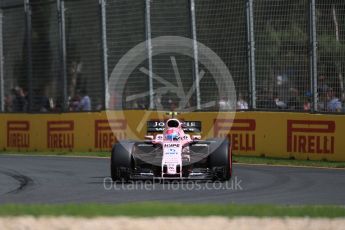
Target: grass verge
{"x":172,"y":209}
{"x":236,"y":159}
{"x":67,"y":154}
{"x":291,"y":162}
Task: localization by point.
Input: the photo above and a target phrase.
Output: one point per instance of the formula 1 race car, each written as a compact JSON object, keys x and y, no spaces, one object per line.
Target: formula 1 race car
{"x":170,"y":153}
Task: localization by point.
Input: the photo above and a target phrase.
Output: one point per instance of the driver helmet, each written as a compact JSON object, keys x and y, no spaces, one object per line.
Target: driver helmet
{"x":172,"y":134}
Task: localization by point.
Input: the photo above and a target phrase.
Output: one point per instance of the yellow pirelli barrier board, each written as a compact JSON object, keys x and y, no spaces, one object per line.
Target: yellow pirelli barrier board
{"x":298,"y":135}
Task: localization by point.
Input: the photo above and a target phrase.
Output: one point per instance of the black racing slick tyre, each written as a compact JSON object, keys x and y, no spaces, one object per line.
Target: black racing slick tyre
{"x":220,"y":160}
{"x":121,"y":162}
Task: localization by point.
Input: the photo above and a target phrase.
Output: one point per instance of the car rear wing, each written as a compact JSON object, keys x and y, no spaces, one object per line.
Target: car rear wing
{"x":187,"y":126}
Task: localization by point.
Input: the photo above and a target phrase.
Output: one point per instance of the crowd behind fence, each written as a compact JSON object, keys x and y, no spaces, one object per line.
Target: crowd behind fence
{"x":57,"y":55}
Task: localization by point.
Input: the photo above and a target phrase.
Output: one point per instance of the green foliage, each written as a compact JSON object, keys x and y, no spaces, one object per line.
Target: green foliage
{"x":329,"y":47}
{"x":282,"y":40}
{"x":281,"y":47}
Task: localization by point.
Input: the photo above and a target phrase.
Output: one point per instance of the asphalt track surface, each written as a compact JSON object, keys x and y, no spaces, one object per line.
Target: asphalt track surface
{"x":25,"y":179}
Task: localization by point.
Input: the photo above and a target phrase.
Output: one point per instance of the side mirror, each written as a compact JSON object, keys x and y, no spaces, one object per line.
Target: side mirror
{"x":196,"y":137}
{"x":149,"y":137}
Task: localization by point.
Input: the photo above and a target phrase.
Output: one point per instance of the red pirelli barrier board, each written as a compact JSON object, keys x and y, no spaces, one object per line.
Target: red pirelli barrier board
{"x":284,"y":135}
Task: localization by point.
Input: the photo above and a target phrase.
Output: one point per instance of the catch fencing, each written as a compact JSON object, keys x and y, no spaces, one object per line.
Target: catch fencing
{"x":282,"y":55}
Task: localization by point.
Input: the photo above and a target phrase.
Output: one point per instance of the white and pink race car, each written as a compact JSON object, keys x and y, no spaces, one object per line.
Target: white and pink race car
{"x":169,"y":152}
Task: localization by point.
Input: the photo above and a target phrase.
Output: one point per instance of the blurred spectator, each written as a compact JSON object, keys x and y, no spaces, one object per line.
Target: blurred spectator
{"x":142,"y":103}
{"x":137,"y":103}
{"x":114,"y":100}
{"x":44,"y":104}
{"x":19,"y":103}
{"x":260,"y":99}
{"x":76,"y":80}
{"x":307,"y":105}
{"x":85,"y":101}
{"x":58,"y":108}
{"x":74,"y":103}
{"x":265,"y":100}
{"x":133,"y":104}
{"x":99,"y":104}
{"x":282,"y":87}
{"x":169,"y":101}
{"x":241,"y":102}
{"x":224,"y":104}
{"x":294,"y":101}
{"x":278,"y":102}
{"x":8,"y":103}
{"x":307,"y":101}
{"x":322,"y":86}
{"x":157,"y":101}
{"x":322,"y":102}
{"x":333,"y":102}
{"x":172,"y":105}
{"x":280,"y":80}
{"x":42,"y":101}
{"x":26,"y":97}
{"x":322,"y":93}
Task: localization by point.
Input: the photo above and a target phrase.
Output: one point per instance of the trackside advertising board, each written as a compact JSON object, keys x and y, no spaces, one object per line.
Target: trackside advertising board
{"x":302,"y":136}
